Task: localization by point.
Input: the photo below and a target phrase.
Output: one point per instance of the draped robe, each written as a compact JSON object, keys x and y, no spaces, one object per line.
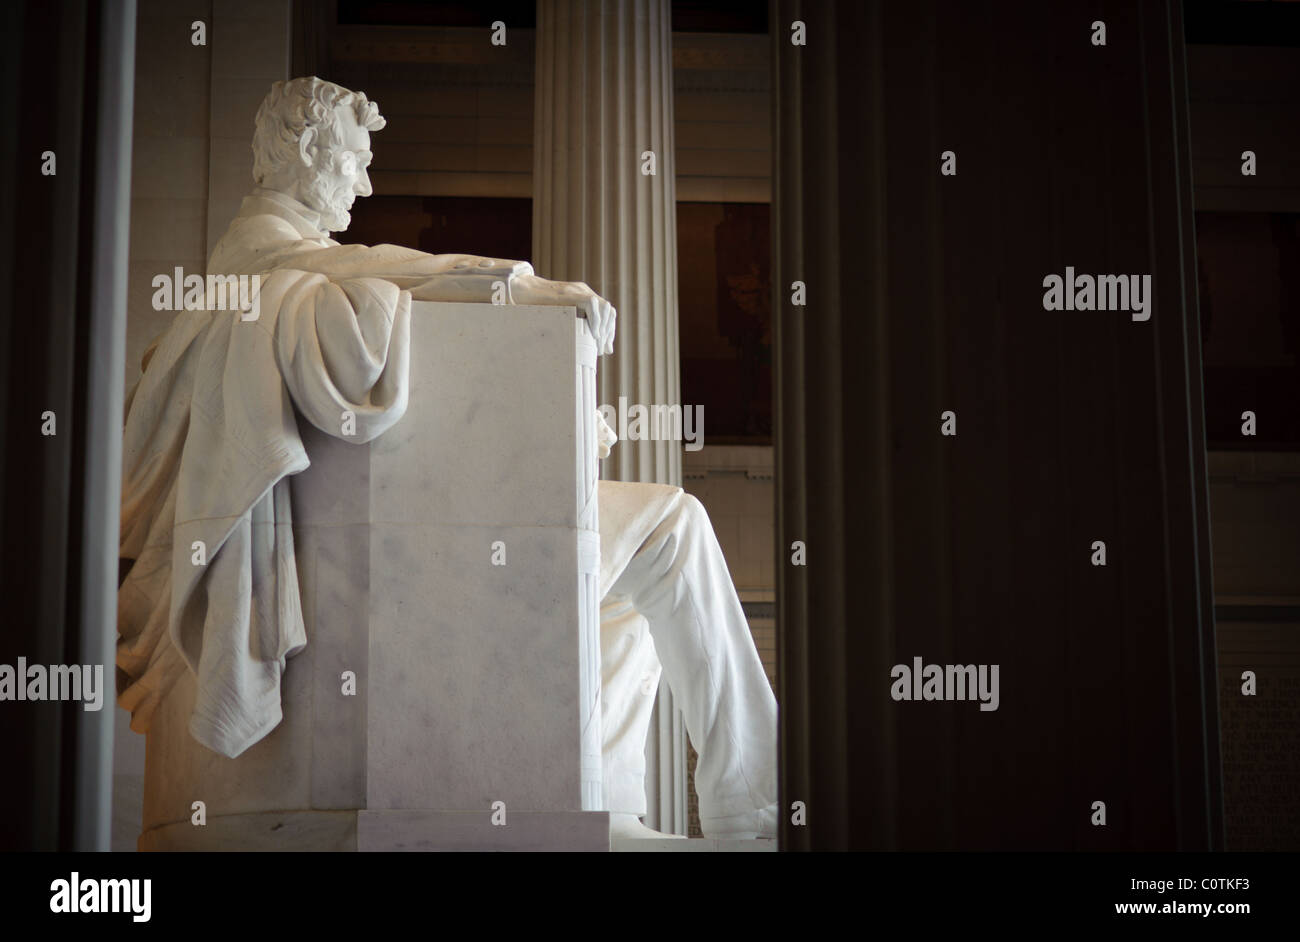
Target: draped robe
{"x":211,"y":437}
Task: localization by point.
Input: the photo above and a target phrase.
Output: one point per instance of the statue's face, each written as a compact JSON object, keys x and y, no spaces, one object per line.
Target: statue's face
{"x":338,"y":174}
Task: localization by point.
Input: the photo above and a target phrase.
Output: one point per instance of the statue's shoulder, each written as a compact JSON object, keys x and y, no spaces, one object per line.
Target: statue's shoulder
{"x":261,"y":228}
{"x":250,"y":239}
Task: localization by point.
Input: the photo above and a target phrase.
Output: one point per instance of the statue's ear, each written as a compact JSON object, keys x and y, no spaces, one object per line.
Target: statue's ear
{"x":307,"y":147}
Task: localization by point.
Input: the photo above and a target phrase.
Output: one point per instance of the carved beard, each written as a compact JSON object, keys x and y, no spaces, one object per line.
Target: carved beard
{"x":332,"y":202}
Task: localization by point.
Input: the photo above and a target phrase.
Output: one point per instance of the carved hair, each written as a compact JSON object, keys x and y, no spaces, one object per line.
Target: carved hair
{"x":293,"y":106}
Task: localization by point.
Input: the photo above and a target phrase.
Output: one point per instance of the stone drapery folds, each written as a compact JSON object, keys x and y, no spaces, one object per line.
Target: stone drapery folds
{"x":210,"y":439}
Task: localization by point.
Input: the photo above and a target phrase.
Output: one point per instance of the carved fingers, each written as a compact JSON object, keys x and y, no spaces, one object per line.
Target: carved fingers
{"x":599,"y":313}
{"x":606,"y":437}
{"x":601,"y":317}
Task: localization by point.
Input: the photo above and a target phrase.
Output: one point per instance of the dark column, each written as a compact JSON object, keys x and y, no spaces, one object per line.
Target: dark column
{"x":66,"y":81}
{"x":925,"y":294}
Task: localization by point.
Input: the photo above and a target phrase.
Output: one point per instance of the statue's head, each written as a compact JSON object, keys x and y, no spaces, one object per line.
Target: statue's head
{"x":313,"y":143}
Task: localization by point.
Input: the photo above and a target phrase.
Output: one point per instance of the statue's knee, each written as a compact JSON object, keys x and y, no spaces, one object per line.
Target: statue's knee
{"x":693,"y":510}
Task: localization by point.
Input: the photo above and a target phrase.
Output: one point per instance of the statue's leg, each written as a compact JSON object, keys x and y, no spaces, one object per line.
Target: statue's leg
{"x":659,"y":552}
{"x":629,"y":671}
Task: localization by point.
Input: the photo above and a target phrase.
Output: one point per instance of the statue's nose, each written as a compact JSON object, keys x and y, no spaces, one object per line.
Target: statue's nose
{"x":363,"y":184}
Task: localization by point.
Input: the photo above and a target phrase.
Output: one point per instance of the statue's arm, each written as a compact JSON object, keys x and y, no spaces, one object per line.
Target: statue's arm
{"x":343,"y":350}
{"x":453,"y":277}
{"x":461,"y":277}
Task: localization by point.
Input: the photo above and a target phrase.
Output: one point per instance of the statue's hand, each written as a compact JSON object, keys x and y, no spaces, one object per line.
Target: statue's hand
{"x":601,"y":318}
{"x":600,"y":314}
{"x":606,"y":437}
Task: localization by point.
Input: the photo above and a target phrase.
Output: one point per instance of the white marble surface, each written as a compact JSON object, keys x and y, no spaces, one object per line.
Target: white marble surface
{"x":471,"y":660}
{"x":473,"y":674}
{"x":475,"y":422}
{"x":694,"y":845}
{"x":325,"y":831}
{"x":474,"y":831}
{"x":315,"y":831}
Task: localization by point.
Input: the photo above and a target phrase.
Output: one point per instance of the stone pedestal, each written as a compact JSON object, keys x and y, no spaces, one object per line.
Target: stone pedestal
{"x":452,"y":566}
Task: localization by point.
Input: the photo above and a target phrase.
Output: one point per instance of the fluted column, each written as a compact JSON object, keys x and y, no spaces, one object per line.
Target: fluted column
{"x":604,"y":97}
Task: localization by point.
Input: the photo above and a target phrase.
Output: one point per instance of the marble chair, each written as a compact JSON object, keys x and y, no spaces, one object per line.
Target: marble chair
{"x":449,"y":693}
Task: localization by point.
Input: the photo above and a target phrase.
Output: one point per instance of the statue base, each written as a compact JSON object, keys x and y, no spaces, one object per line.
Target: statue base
{"x":386,"y":831}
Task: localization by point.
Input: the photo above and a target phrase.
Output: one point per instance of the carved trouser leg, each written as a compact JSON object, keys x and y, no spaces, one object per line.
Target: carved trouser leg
{"x":660,"y":557}
{"x":629,"y":672}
